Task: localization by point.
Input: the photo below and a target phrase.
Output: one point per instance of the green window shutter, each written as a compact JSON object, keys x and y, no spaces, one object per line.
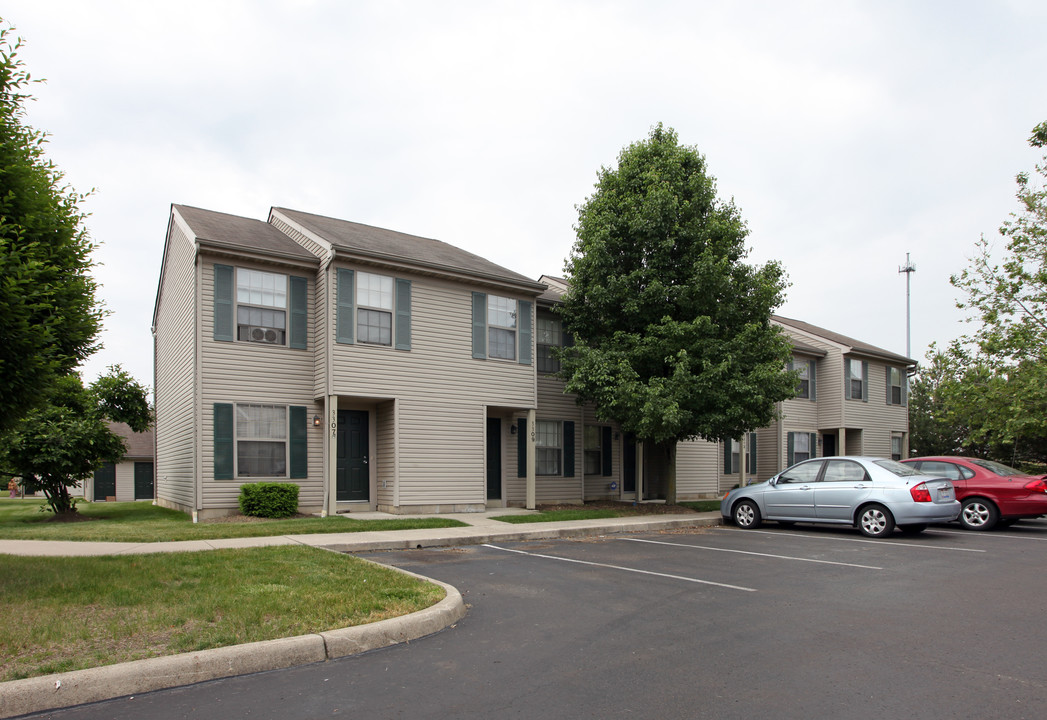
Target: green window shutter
{"x":403,"y":314}
{"x":790,"y":450}
{"x":299,"y":450}
{"x":727,"y":469}
{"x":224,"y":308}
{"x":865,"y":381}
{"x":298,"y":302}
{"x":811,"y":365}
{"x":750,"y":459}
{"x":568,"y":447}
{"x":521,"y":445}
{"x":345,"y":318}
{"x":605,"y":450}
{"x":223,"y":441}
{"x":480,"y":326}
{"x":523,"y":322}
{"x":814,"y":445}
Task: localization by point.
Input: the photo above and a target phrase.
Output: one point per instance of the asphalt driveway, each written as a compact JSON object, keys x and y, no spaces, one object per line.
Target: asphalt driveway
{"x":724,"y":623}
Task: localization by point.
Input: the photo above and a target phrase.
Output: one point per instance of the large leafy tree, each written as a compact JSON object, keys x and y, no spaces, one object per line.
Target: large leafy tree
{"x":62,"y":441}
{"x":673,"y":332}
{"x":49,"y":317}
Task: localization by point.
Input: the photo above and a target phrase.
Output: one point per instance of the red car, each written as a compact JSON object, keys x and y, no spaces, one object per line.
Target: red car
{"x":990,"y":493}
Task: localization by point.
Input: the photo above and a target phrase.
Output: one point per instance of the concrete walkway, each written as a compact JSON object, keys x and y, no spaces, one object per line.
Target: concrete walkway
{"x":37,"y":694}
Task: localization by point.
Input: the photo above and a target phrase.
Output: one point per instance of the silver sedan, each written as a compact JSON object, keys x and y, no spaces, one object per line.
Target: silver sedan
{"x":873,"y":494}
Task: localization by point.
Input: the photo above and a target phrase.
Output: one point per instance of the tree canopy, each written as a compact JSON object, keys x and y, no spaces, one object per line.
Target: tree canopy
{"x":49,"y":316}
{"x":673,"y":333}
{"x":62,"y":441}
{"x":986,"y":394}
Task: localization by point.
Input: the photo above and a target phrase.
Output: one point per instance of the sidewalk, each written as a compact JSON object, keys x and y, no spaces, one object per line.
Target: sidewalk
{"x":20,"y":697}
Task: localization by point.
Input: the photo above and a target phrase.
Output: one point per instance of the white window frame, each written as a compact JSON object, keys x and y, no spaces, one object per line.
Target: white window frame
{"x":263,"y":296}
{"x":502,"y":314}
{"x":592,"y":450}
{"x":242,"y":427}
{"x":900,"y":386}
{"x":546,"y":432}
{"x":803,"y":389}
{"x":900,"y":440}
{"x":374,"y":297}
{"x":806,"y":441}
{"x":852,"y":378}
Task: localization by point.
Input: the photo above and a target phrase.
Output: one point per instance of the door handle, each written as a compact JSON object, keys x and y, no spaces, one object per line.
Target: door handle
{"x":365,"y":459}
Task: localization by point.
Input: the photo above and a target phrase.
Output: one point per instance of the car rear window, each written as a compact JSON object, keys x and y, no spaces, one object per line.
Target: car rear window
{"x":998,"y":468}
{"x":898,"y":468}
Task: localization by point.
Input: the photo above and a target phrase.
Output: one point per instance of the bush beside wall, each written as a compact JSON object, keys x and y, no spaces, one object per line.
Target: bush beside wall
{"x":269,"y":499}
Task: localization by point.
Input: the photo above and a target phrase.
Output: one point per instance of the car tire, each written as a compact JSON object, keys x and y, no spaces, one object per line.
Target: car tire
{"x":746,"y":515}
{"x":875,"y":521}
{"x":978,"y":514}
{"x":912,"y":529}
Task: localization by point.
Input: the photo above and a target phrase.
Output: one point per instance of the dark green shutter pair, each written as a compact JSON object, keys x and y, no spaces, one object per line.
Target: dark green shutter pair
{"x":225,"y":307}
{"x":345,"y":317}
{"x":523,"y":327}
{"x":225,"y":444}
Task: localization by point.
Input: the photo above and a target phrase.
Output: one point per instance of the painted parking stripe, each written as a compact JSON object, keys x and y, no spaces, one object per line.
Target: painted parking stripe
{"x":626,"y":569}
{"x":980,"y":535}
{"x":758,"y":554}
{"x":880,"y":543}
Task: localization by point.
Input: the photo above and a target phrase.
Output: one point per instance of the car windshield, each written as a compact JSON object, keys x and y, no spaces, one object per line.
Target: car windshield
{"x":898,"y":468}
{"x":998,"y":468}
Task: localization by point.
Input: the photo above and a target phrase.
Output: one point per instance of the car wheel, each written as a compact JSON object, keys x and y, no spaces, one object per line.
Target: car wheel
{"x":746,"y":515}
{"x":978,"y":514}
{"x":875,"y":521}
{"x":912,"y":529}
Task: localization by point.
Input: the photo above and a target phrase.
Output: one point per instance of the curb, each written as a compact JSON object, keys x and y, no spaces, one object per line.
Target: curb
{"x":50,"y":692}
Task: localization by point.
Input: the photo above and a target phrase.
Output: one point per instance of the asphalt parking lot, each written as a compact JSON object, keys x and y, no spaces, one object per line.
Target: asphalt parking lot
{"x":806,"y":622}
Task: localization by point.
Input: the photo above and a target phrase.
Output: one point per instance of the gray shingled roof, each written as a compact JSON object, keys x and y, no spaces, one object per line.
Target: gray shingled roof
{"x":233,"y":232}
{"x":138,"y":444}
{"x":856,"y":345}
{"x":401,"y":247}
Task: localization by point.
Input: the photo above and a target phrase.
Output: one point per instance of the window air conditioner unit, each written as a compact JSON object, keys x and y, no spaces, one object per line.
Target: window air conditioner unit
{"x":263,"y":335}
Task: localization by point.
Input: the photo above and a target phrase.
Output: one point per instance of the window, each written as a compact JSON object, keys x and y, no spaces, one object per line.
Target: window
{"x":801,"y":446}
{"x":896,"y":447}
{"x":550,"y":336}
{"x":856,"y":372}
{"x":501,"y":327}
{"x":895,"y":386}
{"x":803,"y":387}
{"x":593,"y":443}
{"x":549,"y":447}
{"x":261,"y":441}
{"x":844,"y":471}
{"x":942,"y":469}
{"x":806,"y":473}
{"x":374,"y":301}
{"x":732,"y":456}
{"x":261,"y":306}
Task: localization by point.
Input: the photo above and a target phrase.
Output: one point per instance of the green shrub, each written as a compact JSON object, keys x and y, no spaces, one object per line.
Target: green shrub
{"x":269,"y":499}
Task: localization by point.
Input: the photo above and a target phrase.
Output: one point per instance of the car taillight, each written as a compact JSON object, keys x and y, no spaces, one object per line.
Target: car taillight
{"x":1036,"y":486}
{"x":920,"y":493}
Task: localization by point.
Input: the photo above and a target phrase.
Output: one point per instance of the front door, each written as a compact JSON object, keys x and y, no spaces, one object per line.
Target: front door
{"x":494,"y":459}
{"x":143,"y":481}
{"x":353,"y":479}
{"x":105,"y":482}
{"x":828,"y":445}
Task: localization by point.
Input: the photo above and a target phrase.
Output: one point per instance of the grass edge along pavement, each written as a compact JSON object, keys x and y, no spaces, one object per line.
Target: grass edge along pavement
{"x":37,"y":694}
{"x":597,"y":511}
{"x":145,"y":522}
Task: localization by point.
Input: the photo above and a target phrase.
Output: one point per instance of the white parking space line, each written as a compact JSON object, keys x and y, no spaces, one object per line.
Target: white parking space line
{"x":747,"y":552}
{"x":626,"y":569}
{"x":881,"y":543}
{"x":980,"y":535}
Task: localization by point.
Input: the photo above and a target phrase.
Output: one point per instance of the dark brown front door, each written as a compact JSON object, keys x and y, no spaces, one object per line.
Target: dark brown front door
{"x":352,"y":471}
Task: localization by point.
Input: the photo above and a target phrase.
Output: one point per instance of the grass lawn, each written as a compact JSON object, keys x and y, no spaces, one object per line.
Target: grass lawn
{"x":145,"y":522}
{"x":62,"y":614}
{"x":611,"y":510}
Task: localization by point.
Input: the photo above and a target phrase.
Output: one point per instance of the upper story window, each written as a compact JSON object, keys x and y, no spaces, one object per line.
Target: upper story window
{"x":803,"y":386}
{"x":895,"y":386}
{"x":374,"y":301}
{"x":261,"y":306}
{"x":501,"y":327}
{"x":550,"y":336}
{"x":856,"y":372}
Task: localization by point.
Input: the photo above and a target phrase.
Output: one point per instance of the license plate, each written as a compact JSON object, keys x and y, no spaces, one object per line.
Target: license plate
{"x":945,"y":494}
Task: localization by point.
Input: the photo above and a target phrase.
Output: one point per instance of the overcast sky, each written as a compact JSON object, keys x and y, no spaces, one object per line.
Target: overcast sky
{"x":848,"y":133}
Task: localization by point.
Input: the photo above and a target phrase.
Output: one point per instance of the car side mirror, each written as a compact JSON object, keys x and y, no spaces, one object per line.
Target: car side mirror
{"x":773,"y":481}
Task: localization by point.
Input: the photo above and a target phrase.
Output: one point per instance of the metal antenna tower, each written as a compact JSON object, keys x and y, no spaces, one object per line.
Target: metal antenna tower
{"x":908,"y":269}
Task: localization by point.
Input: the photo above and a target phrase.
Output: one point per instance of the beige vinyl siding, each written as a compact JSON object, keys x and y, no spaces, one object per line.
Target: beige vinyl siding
{"x":245,"y":372}
{"x":175,"y":374}
{"x":385,"y":453}
{"x":875,"y":417}
{"x":696,"y":469}
{"x":442,"y":458}
{"x":769,"y":452}
{"x":318,"y":305}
